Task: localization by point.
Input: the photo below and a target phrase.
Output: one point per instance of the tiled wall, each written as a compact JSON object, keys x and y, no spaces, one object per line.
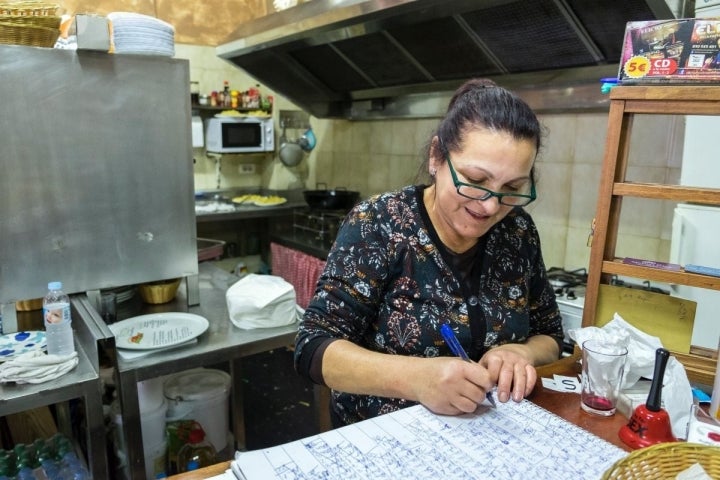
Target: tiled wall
{"x":376,"y":156}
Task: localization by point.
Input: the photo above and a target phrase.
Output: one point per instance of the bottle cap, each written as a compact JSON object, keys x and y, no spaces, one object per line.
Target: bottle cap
{"x":55,"y":286}
{"x":197,"y":435}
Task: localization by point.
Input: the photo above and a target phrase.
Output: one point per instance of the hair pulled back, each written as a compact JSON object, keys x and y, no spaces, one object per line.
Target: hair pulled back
{"x":480,"y":103}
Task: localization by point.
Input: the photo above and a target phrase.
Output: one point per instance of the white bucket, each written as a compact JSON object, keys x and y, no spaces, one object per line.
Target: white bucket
{"x":153,"y":426}
{"x":201,"y":395}
{"x":156,"y":460}
{"x":150,"y":394}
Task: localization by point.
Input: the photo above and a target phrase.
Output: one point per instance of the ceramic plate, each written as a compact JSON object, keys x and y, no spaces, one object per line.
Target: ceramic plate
{"x":14,"y":344}
{"x":158,"y":330}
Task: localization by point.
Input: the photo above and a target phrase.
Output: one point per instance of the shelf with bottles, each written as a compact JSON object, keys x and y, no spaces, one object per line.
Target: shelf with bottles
{"x":208,"y":110}
{"x":248,"y":102}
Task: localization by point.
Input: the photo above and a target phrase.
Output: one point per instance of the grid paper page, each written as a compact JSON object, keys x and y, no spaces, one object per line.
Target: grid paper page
{"x":516,"y":440}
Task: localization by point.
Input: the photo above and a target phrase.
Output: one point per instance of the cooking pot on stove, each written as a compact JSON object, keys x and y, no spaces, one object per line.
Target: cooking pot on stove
{"x":337,"y":199}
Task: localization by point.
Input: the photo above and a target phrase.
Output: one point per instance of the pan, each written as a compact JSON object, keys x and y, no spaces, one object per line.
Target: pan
{"x":337,"y":199}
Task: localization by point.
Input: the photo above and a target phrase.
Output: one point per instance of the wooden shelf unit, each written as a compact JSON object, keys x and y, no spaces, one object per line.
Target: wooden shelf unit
{"x":625,"y":102}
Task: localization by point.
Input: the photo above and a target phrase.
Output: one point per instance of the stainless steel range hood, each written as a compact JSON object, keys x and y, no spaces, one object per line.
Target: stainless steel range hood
{"x":364,"y":59}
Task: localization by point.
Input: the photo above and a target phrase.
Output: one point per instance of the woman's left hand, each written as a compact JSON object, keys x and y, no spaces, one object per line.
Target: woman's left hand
{"x":510,"y":367}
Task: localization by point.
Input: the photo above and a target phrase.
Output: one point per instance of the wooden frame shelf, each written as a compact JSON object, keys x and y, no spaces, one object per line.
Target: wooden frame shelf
{"x":625,"y":102}
{"x":616,"y":267}
{"x":680,"y":193}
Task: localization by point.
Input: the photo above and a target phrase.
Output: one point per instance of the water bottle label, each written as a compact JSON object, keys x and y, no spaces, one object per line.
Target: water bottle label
{"x":56,"y":313}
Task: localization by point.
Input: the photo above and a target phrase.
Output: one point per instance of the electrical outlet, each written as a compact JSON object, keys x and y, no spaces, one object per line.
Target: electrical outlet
{"x":246,"y":168}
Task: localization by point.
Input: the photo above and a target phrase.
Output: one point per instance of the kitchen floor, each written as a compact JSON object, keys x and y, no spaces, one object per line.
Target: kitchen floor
{"x":279,"y":404}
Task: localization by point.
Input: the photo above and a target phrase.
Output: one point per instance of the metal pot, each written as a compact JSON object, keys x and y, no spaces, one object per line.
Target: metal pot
{"x":291,"y":154}
{"x":338,"y":199}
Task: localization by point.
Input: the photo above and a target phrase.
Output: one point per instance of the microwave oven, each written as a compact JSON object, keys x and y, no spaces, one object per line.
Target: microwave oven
{"x":239,"y":134}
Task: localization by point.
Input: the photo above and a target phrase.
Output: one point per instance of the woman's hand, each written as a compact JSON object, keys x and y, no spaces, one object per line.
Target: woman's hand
{"x":510,"y":367}
{"x":451,"y":386}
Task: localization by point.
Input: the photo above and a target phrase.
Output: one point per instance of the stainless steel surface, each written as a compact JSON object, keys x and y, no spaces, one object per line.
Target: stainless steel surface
{"x":84,"y":136}
{"x":365,"y":59}
{"x":247,"y":211}
{"x":82,"y":382}
{"x":222,"y":342}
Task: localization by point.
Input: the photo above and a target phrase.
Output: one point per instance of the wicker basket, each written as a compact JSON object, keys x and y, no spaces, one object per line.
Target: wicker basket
{"x":27,"y":34}
{"x":664,"y":461}
{"x":159,"y":292}
{"x":34,"y":24}
{"x":29,"y":305}
{"x":29,"y":8}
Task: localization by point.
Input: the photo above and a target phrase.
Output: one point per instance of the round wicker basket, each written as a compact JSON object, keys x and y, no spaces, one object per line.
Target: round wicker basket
{"x":29,"y":305}
{"x":30,"y":8}
{"x":664,"y":461}
{"x":29,"y":23}
{"x":159,"y":292}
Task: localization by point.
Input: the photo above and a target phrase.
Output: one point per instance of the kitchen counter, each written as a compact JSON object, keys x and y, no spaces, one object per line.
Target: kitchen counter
{"x":303,"y":242}
{"x":221,"y":201}
{"x":279,"y":228}
{"x":221,"y":343}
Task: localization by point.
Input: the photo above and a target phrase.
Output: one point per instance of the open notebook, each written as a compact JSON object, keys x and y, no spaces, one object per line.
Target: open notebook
{"x":516,"y":440}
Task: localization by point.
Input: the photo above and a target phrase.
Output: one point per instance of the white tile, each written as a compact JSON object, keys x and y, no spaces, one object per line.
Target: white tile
{"x":558,"y":145}
{"x":584,"y":194}
{"x":577,"y":251}
{"x":591,"y":132}
{"x":552,"y":241}
{"x":553,"y":190}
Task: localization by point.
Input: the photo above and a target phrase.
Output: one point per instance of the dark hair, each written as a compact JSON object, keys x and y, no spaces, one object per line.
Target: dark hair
{"x":480,"y":103}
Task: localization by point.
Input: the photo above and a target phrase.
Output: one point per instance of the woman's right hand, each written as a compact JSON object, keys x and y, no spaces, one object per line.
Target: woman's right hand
{"x":451,"y":386}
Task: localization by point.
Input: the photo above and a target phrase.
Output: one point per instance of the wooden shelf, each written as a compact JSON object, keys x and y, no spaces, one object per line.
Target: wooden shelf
{"x":679,"y":193}
{"x":208,"y":109}
{"x":625,"y":102}
{"x":616,"y":267}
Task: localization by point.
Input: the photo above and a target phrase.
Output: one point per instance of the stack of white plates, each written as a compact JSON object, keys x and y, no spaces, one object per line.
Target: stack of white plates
{"x":142,"y":34}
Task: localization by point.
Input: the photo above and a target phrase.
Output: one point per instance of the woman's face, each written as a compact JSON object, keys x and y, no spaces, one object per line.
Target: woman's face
{"x":491,"y":159}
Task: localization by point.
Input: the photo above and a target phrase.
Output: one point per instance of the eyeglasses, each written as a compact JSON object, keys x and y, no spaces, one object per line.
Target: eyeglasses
{"x":471,"y":191}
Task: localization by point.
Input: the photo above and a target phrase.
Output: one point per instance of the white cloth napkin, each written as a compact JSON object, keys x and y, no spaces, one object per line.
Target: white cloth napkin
{"x":36,"y":367}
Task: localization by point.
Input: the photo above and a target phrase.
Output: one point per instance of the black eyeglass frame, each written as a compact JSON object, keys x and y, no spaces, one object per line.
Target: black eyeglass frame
{"x":489,"y":193}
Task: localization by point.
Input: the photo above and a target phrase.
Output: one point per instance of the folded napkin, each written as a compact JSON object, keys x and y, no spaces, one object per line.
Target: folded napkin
{"x":36,"y":367}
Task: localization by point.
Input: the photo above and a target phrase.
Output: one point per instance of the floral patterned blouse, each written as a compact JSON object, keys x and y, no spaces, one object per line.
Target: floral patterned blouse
{"x":389,"y":283}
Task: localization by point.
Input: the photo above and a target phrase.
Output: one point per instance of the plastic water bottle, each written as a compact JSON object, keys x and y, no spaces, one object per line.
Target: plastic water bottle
{"x":58,"y":324}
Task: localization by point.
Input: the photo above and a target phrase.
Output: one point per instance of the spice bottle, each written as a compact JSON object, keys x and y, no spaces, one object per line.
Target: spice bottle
{"x":226,"y":94}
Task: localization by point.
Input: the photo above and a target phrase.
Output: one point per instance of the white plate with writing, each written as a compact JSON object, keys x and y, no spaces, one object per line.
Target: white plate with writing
{"x":158,"y":330}
{"x":14,"y":344}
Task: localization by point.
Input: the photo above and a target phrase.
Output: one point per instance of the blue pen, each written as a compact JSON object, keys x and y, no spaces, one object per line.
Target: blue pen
{"x":459,"y":351}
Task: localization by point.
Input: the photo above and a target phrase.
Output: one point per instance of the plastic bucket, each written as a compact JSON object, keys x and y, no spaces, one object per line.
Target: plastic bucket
{"x":201,"y":395}
{"x":153,"y":426}
{"x":156,"y":460}
{"x":150,"y":394}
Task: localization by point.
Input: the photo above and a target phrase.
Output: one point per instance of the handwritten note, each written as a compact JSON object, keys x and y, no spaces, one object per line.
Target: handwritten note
{"x":516,"y":440}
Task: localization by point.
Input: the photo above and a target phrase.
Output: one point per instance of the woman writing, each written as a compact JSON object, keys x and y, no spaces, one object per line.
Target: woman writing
{"x":462,"y":252}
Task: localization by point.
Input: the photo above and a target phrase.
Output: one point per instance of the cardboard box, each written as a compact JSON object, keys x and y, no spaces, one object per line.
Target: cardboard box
{"x":683,"y":50}
{"x":93,"y":32}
